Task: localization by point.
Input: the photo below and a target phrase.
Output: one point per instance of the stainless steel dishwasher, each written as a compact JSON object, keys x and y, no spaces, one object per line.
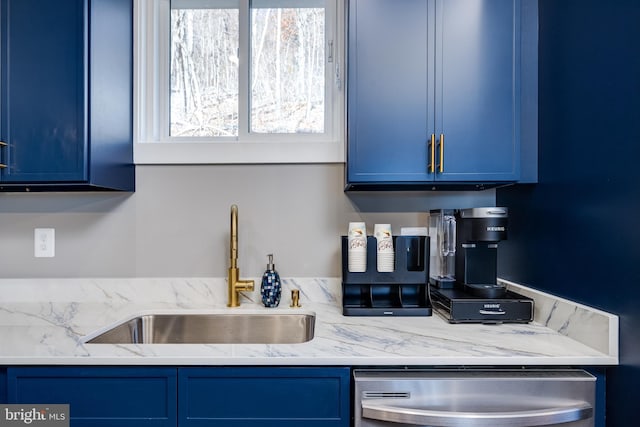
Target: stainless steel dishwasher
{"x":473,"y":398}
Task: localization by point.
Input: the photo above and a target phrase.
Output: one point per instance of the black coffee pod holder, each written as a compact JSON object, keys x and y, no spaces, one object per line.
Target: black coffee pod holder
{"x":402,"y":292}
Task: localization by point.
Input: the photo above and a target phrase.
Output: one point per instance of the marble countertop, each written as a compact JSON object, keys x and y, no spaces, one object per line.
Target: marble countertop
{"x":47,"y":321}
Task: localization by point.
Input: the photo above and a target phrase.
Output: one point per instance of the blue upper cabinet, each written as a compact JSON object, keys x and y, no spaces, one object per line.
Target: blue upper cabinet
{"x":66,"y":95}
{"x":434,"y":93}
{"x":477,"y":89}
{"x":390,"y":84}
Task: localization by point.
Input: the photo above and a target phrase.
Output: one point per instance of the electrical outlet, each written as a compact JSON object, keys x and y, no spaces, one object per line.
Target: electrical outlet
{"x":44,"y":242}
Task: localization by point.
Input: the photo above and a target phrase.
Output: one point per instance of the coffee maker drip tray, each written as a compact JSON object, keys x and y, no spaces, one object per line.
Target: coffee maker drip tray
{"x":457,"y":306}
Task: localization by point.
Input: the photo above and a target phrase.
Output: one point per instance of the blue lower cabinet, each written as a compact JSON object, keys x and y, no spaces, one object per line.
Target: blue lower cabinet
{"x":263,"y":397}
{"x":601,"y":402}
{"x":100,"y":396}
{"x":3,"y":385}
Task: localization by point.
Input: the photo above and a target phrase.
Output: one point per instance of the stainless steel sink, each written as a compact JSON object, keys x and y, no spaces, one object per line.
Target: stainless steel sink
{"x":231,"y":328}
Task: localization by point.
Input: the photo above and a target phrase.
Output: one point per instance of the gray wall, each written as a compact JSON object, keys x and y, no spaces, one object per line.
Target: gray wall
{"x":177,"y":222}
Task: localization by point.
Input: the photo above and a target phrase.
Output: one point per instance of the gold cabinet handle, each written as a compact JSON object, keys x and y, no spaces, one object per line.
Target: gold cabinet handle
{"x":3,"y":144}
{"x":432,"y":155}
{"x":441,"y":144}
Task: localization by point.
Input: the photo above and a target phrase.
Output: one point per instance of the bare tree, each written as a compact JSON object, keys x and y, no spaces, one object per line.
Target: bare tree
{"x":287,"y":71}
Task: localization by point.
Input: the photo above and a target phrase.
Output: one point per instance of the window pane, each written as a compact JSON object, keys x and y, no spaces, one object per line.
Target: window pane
{"x":204,"y":70}
{"x":287,"y":66}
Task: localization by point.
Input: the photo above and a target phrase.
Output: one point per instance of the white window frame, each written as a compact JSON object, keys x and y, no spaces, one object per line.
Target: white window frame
{"x":152,"y":143}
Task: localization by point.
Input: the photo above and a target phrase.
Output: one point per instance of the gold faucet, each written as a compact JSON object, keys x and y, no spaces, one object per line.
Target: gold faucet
{"x":235,"y":285}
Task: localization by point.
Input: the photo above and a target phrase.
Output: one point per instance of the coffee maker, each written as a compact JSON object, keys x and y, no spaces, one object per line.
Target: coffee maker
{"x":478,"y":231}
{"x":476,"y":296}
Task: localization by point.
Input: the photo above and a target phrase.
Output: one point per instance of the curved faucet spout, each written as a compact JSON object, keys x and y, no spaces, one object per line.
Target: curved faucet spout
{"x":235,"y":285}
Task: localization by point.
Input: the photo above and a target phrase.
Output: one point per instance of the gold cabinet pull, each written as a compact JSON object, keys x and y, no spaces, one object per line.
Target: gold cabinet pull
{"x":3,"y":144}
{"x":432,"y":154}
{"x":441,"y":144}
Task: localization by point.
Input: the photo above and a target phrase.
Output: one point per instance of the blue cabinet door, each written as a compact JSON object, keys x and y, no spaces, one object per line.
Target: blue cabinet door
{"x":390,"y":91}
{"x":3,"y":385}
{"x":264,"y":397}
{"x":100,"y":396}
{"x":43,"y":91}
{"x":66,"y":95}
{"x":477,"y":90}
{"x":111,"y":95}
{"x":433,"y":92}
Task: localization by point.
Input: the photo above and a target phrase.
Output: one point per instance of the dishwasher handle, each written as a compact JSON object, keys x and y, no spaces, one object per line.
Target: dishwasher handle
{"x":435,"y":418}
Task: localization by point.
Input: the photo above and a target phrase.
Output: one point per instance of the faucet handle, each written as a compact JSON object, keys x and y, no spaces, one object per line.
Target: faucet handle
{"x":295,"y":298}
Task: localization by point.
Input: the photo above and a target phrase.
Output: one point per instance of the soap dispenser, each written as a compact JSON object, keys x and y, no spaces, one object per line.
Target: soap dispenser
{"x":270,"y":289}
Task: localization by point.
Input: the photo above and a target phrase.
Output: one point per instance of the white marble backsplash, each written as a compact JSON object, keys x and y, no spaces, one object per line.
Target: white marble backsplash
{"x":588,"y":325}
{"x":177,"y":291}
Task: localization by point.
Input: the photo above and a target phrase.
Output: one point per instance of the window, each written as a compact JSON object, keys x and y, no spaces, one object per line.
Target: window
{"x":239,"y":81}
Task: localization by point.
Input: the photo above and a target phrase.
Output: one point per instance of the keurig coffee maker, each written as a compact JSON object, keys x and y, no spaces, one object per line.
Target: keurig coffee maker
{"x":476,"y":296}
{"x":478,"y":231}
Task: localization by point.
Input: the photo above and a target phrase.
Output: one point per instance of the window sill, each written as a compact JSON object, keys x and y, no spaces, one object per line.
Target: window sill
{"x":238,"y":152}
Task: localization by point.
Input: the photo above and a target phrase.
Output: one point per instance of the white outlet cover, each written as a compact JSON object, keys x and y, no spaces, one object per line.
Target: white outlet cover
{"x":44,"y":241}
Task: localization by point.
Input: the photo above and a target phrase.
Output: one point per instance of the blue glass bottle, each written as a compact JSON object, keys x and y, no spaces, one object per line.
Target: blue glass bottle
{"x":271,"y":288}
